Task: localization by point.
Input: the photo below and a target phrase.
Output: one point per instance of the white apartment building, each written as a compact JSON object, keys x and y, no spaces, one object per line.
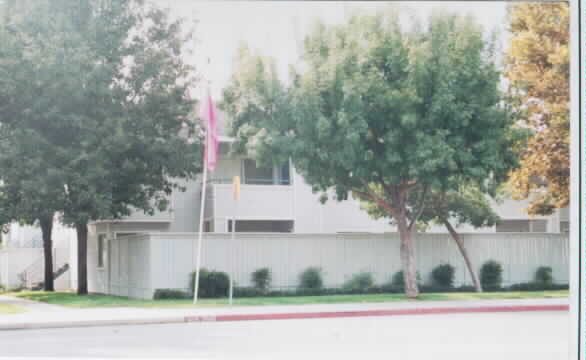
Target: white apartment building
{"x":279,"y":200}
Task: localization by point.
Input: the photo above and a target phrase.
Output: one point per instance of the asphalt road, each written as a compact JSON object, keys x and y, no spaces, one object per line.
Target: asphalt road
{"x":494,"y":336}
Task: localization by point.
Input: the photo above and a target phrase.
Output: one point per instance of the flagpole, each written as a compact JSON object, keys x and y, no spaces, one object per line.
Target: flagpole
{"x":201,"y":211}
{"x":210,"y":131}
{"x":201,"y":216}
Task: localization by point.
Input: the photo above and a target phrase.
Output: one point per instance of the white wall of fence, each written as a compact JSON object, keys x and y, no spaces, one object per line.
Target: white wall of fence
{"x":14,"y":261}
{"x":137,"y":265}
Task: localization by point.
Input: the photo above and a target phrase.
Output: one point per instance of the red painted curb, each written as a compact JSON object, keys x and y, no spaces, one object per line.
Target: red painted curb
{"x":341,"y":314}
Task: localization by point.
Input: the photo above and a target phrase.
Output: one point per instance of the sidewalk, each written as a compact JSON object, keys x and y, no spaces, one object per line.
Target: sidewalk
{"x":53,"y":316}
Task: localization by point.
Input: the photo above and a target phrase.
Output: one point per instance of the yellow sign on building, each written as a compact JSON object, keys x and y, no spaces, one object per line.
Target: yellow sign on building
{"x":236,"y":183}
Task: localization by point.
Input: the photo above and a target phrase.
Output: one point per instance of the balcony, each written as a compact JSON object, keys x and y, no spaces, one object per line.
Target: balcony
{"x":140,"y":216}
{"x":257,"y":202}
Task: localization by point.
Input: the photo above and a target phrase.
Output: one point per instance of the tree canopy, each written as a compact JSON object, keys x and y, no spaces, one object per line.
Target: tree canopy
{"x":538,"y":69}
{"x":96,"y":95}
{"x":380,"y":110}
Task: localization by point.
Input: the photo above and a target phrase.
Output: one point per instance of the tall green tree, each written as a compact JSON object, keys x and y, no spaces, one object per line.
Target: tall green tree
{"x":29,"y":191}
{"x":107,"y":97}
{"x":379,"y":110}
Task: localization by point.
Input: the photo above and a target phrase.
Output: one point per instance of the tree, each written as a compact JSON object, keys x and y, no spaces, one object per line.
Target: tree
{"x":538,"y":69}
{"x":466,"y":200}
{"x":380,"y":111}
{"x":29,"y":191}
{"x":108,"y":98}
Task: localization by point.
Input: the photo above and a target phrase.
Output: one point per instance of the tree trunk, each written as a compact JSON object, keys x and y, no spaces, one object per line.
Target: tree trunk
{"x":458,"y":241}
{"x":46,"y":229}
{"x":81,"y":230}
{"x":408,"y":258}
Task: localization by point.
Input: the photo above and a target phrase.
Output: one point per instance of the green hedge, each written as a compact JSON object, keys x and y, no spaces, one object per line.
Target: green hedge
{"x":212,"y":284}
{"x":491,"y":276}
{"x":170,"y":294}
{"x":248,"y":292}
{"x":537,"y":286}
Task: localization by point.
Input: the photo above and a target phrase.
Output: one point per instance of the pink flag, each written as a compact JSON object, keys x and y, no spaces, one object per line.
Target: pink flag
{"x":211,"y":146}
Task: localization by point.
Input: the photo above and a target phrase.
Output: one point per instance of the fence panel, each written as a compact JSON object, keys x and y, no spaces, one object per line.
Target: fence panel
{"x":339,"y":255}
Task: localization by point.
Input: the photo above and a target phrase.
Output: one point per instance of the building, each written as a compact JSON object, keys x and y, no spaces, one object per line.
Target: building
{"x":273,"y":200}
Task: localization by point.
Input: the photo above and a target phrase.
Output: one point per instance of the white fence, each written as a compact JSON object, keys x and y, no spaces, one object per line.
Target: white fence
{"x":13,"y":261}
{"x":142,"y":263}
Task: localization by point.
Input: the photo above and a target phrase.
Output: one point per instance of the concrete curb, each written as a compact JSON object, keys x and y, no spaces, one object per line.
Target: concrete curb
{"x":367,"y":313}
{"x":282,"y":316}
{"x":89,"y":323}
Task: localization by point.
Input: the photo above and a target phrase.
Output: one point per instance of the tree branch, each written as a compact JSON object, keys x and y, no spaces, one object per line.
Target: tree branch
{"x":377,"y":200}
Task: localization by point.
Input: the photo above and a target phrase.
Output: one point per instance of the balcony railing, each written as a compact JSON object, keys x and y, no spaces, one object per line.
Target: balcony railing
{"x":249,"y":181}
{"x":256,"y":202}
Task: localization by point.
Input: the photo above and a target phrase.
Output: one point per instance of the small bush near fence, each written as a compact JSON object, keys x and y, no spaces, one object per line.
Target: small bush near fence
{"x":261,"y":279}
{"x":212,"y":284}
{"x":161,"y":294}
{"x":311,"y":279}
{"x":491,"y":276}
{"x":398,"y":280}
{"x":544,"y":276}
{"x":443,"y":276}
{"x":359,"y":283}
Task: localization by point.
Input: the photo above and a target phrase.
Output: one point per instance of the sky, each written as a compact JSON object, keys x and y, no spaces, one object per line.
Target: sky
{"x":272,"y":27}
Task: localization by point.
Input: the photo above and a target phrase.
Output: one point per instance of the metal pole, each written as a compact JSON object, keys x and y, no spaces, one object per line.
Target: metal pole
{"x":236,"y":189}
{"x":232,"y":253}
{"x":201,"y":215}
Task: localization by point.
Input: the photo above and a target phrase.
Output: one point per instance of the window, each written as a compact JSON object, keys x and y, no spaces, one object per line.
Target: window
{"x":285,"y":175}
{"x":207,"y":226}
{"x":280,"y":226}
{"x":101,"y":249}
{"x":522,"y":226}
{"x":564,"y":226}
{"x":253,"y":175}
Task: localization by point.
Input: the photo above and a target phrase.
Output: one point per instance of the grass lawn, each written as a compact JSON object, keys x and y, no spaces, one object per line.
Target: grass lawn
{"x":10,"y":309}
{"x":73,"y":300}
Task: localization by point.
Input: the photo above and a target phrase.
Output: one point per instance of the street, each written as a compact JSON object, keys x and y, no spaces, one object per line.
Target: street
{"x":502,"y":336}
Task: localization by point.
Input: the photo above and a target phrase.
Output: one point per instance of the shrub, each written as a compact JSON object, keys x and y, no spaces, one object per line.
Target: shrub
{"x":170,"y":294}
{"x":211,"y":283}
{"x":534,"y":286}
{"x":311,"y":279}
{"x":261,"y":279}
{"x":398,"y":281}
{"x":443,"y":275}
{"x":312,"y":292}
{"x":543,"y":275}
{"x":491,"y":276}
{"x":244,"y":292}
{"x":361,"y":283}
